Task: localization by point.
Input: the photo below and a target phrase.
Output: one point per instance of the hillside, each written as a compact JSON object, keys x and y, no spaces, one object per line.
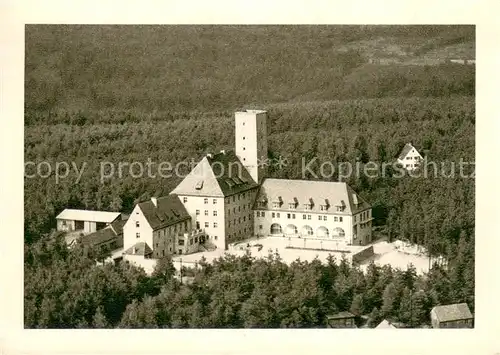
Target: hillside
{"x":222,"y":67}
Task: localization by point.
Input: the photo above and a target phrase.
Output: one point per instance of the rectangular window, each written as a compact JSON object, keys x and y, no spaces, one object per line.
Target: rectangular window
{"x":197,"y":212}
{"x":354,"y":219}
{"x":137,"y":224}
{"x":262,"y":214}
{"x":288,"y":215}
{"x":244,"y":218}
{"x":185,"y":199}
{"x":206,"y":212}
{"x":228,"y":212}
{"x":273,"y":214}
{"x":215,"y":237}
{"x":215,"y":213}
{"x":307,"y":206}
{"x":207,"y":225}
{"x":278,"y":215}
{"x":309,"y":217}
{"x":181,"y":241}
{"x":335,"y":219}
{"x":304,"y":216}
{"x":260,"y":226}
{"x":319,"y":218}
{"x":324,"y":218}
{"x":276,"y":205}
{"x":190,"y":241}
{"x":215,"y":224}
{"x":214,"y":201}
{"x":340,"y":219}
{"x":137,"y":235}
{"x":291,"y":206}
{"x":293,"y":215}
{"x":234,"y":198}
{"x":205,"y":201}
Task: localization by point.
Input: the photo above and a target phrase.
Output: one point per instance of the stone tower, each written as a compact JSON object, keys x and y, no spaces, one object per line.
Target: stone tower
{"x":251,"y":141}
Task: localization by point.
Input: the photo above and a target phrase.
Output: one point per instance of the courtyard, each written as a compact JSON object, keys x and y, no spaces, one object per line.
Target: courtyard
{"x":395,"y":254}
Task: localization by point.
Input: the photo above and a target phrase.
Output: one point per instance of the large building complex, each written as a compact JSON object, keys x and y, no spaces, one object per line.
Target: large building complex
{"x":227,"y":198}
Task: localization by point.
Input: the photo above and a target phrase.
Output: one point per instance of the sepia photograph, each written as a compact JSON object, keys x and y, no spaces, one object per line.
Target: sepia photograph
{"x":249,"y":176}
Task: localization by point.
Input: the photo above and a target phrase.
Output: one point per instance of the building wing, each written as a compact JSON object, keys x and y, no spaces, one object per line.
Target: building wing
{"x":310,"y":196}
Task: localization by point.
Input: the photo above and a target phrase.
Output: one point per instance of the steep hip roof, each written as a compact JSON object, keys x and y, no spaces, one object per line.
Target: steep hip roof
{"x":219,"y":175}
{"x":452,"y":312}
{"x":319,"y":192}
{"x":87,"y":215}
{"x":169,"y":210}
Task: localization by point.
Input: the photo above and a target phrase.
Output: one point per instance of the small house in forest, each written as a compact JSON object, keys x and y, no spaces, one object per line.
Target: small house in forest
{"x":341,"y":320}
{"x":409,"y":157}
{"x":456,"y":315}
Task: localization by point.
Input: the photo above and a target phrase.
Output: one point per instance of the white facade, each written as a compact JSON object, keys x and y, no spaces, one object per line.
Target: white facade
{"x":207,"y":213}
{"x":251,"y":141}
{"x":137,"y":229}
{"x":410,"y":158}
{"x":345,"y":229}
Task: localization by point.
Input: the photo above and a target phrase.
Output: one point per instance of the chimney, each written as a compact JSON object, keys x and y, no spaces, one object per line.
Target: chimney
{"x":155,"y":201}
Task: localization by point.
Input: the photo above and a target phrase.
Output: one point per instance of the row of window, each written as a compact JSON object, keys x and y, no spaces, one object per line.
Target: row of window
{"x":239,"y":220}
{"x":206,"y":201}
{"x":214,"y":213}
{"x":409,"y":158}
{"x":181,"y":242}
{"x":304,"y":216}
{"x":239,"y":209}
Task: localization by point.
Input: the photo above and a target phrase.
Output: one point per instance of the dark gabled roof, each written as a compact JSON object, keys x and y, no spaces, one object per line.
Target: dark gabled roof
{"x":140,"y":248}
{"x":117,"y":226}
{"x":168,"y":210}
{"x":101,"y":236}
{"x":341,"y":315}
{"x":452,"y":312}
{"x":230,"y":173}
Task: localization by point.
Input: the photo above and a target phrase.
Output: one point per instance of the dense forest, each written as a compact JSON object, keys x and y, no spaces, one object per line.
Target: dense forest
{"x":65,"y":289}
{"x":116,"y":94}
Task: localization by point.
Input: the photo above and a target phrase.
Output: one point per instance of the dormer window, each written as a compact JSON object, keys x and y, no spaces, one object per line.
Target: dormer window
{"x":276,"y":205}
{"x":291,"y":205}
{"x":323,"y":207}
{"x":308,"y":206}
